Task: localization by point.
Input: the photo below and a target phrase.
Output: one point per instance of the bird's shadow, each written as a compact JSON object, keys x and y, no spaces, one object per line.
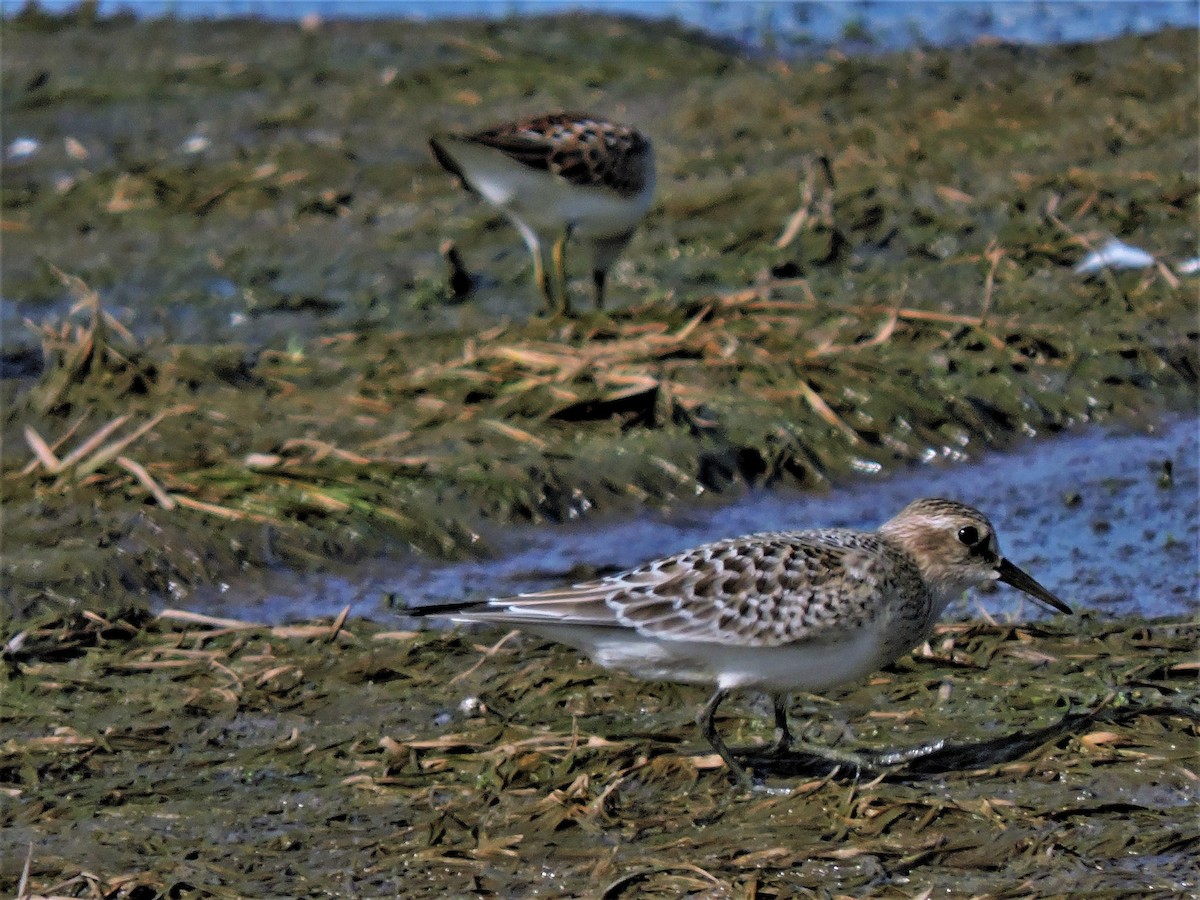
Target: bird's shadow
{"x":941,"y":757}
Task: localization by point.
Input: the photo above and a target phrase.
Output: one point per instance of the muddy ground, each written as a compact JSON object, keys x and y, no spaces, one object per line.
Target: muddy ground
{"x":249,"y":220}
{"x":852,"y":263}
{"x":178,"y":759}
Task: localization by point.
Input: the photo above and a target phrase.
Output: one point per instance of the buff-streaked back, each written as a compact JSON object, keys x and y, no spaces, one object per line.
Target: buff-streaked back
{"x":585,"y":150}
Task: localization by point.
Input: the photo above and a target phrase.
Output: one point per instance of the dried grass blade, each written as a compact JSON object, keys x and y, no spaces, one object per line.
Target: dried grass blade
{"x":322,"y":449}
{"x":395,"y":636}
{"x":103,"y":456}
{"x":994,"y":253}
{"x":155,"y":664}
{"x":112,"y":322}
{"x":97,"y":438}
{"x":273,"y":673}
{"x":886,"y":330}
{"x":491,"y":651}
{"x":626,"y":329}
{"x":741,"y":297}
{"x":1168,"y":276}
{"x":693,"y":323}
{"x":445,"y":742}
{"x":58,"y":442}
{"x":517,"y":434}
{"x":620,"y":385}
{"x":66,"y":435}
{"x":85,"y":296}
{"x":138,"y":471}
{"x":534,"y":359}
{"x":224,"y":512}
{"x":324,"y":499}
{"x":183,"y":615}
{"x":372,"y":404}
{"x":66,"y":737}
{"x":301,"y":632}
{"x":336,"y":627}
{"x":352,"y":457}
{"x":822,"y":409}
{"x":921,"y":315}
{"x":388,"y":440}
{"x":799,"y":218}
{"x":23,"y":883}
{"x":528,"y":383}
{"x":42,"y":452}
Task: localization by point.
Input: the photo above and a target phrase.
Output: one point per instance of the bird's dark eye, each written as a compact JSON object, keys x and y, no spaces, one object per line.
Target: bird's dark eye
{"x":969,"y":535}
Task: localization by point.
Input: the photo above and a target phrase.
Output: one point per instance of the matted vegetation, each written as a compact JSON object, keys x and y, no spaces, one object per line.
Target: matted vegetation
{"x":383,"y":436}
{"x":851,"y":263}
{"x":242,"y":352}
{"x":186,"y":757}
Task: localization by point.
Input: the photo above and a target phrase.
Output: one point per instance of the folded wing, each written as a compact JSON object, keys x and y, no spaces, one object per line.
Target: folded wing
{"x":760,"y":590}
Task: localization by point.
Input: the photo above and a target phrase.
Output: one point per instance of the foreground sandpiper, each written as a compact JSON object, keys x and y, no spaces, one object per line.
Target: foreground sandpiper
{"x":774,"y":612}
{"x":555,"y":177}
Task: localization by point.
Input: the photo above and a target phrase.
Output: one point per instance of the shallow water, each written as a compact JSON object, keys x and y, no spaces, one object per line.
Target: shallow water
{"x":1090,"y":515}
{"x":891,"y":25}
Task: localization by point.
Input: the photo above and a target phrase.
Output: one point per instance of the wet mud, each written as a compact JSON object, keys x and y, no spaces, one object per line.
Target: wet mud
{"x":1107,"y":517}
{"x":230,"y":348}
{"x":178,"y":758}
{"x":852,"y":265}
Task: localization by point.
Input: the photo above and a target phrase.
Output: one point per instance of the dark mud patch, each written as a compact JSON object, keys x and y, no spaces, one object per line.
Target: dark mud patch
{"x":166,"y":758}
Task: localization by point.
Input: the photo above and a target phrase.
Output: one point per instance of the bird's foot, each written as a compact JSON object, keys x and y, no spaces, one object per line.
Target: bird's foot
{"x":887,"y":759}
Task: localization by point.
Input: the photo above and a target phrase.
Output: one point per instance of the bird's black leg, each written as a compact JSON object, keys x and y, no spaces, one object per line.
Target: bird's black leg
{"x":598,"y":278}
{"x":559,"y":254}
{"x":708,"y":728}
{"x":783,"y":735}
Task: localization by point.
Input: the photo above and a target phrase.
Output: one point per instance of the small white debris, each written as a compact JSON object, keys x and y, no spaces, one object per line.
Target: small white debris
{"x":22,"y":148}
{"x":197,"y":143}
{"x":75,"y":149}
{"x":866,"y":466}
{"x":16,"y":643}
{"x":472,"y":706}
{"x":1188,"y":266}
{"x":1114,"y":255}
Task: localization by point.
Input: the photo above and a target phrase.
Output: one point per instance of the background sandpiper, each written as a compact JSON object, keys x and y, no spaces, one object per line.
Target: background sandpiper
{"x":555,"y":177}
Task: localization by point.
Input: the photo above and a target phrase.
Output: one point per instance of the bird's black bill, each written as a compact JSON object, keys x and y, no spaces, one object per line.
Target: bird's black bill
{"x":443,"y":609}
{"x":449,"y":163}
{"x":1017,"y":578}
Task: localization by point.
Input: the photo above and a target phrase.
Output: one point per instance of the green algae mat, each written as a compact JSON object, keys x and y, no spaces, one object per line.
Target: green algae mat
{"x":192,"y":757}
{"x":242,"y":349}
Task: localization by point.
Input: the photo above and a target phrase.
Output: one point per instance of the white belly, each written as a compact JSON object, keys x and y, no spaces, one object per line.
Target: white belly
{"x":546,"y":202}
{"x":806,"y":666}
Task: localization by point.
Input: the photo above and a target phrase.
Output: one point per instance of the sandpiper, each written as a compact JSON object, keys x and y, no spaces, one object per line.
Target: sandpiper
{"x":558,"y":176}
{"x":774,"y":612}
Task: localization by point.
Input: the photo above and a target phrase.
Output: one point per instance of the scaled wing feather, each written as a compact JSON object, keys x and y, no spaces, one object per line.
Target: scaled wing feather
{"x":765,"y":590}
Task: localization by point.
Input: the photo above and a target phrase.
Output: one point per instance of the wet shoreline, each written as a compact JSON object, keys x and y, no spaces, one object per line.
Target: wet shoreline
{"x":265,"y":369}
{"x":1094,"y":512}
